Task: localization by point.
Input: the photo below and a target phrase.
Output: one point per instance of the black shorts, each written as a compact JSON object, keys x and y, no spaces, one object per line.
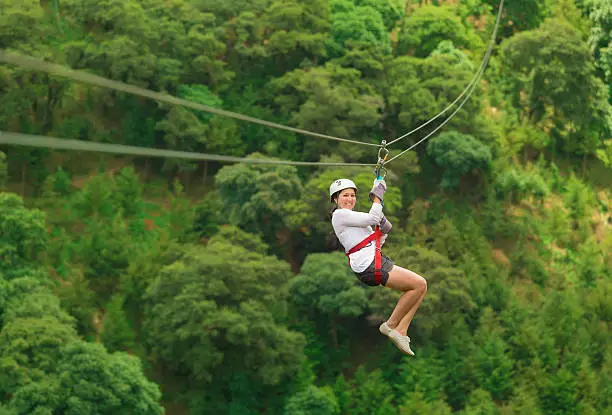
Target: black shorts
{"x":367,"y":277}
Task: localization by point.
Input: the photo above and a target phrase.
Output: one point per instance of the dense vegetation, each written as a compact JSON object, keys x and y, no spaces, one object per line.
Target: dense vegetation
{"x":149,"y":286}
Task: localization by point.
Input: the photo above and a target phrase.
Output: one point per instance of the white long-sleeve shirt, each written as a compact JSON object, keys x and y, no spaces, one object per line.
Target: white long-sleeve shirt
{"x":353,"y":227}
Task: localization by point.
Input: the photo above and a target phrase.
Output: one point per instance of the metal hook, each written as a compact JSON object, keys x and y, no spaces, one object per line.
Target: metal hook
{"x":383,"y":146}
{"x":381,"y":161}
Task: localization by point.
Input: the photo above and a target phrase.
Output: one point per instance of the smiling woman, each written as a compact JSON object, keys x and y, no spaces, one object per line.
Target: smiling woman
{"x":355,"y":233}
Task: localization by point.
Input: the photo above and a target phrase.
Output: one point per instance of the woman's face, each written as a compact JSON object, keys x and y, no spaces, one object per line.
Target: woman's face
{"x":347,"y":199}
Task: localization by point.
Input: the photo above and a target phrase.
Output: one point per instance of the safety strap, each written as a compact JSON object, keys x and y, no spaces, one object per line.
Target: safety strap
{"x":377,"y":254}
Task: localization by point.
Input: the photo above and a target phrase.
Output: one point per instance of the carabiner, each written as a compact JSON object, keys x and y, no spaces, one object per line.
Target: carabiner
{"x":383,"y":147}
{"x":377,"y":172}
{"x":381,"y":161}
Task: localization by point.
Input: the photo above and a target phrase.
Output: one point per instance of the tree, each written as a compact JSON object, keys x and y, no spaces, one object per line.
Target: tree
{"x":447,"y":298}
{"x":420,"y":88}
{"x":458,"y":154}
{"x":19,"y":20}
{"x":392,"y":11}
{"x":296,"y":31}
{"x":212,"y":307}
{"x":331,"y":100}
{"x":563,"y":97}
{"x":326,"y":286}
{"x":427,"y":26}
{"x":189,"y":130}
{"x":312,"y":400}
{"x":480,"y":403}
{"x":600,"y":38}
{"x":89,"y":380}
{"x":520,"y":15}
{"x":34,"y":330}
{"x":357,"y":24}
{"x":416,"y":404}
{"x":106,"y":250}
{"x":24,"y":238}
{"x":254,"y":195}
{"x":560,"y":394}
{"x":421,"y":383}
{"x":117,"y":335}
{"x":514,"y":184}
{"x":128,"y":191}
{"x":493,"y":367}
{"x":371,"y":394}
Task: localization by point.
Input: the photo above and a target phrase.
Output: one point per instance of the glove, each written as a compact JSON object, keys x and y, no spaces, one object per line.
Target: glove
{"x":378,"y":189}
{"x":384,"y":225}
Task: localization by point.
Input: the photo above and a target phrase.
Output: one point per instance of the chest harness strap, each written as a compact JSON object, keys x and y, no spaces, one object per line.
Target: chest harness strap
{"x":377,"y":254}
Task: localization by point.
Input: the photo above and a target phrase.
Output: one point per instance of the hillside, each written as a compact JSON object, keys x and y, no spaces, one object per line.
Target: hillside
{"x":150,"y":285}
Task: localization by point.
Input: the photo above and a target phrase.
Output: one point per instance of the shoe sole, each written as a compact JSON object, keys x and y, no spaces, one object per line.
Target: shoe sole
{"x":395,"y":341}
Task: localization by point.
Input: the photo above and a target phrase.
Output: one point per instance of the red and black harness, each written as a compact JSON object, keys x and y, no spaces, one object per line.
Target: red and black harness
{"x":377,"y":255}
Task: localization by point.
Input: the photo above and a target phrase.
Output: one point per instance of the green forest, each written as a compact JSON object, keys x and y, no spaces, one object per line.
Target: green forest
{"x":140,"y":285}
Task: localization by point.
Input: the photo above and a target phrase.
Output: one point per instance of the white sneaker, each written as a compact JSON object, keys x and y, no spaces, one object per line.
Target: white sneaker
{"x":402,"y":342}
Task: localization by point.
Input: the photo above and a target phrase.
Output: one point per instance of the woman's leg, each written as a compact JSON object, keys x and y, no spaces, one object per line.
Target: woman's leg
{"x":414,"y":287}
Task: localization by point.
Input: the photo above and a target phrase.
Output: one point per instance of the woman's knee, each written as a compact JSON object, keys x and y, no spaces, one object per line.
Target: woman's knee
{"x":422,"y":284}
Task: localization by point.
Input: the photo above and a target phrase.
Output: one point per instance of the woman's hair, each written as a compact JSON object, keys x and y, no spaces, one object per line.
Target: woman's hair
{"x":332,"y":242}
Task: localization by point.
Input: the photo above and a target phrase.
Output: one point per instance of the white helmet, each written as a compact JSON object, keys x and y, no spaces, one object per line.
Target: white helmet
{"x":338,"y":185}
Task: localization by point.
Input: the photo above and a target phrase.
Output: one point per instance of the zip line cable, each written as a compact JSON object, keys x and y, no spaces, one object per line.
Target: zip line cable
{"x":88,"y":78}
{"x":472,"y":81}
{"x":467,"y":97}
{"x":66,"y":144}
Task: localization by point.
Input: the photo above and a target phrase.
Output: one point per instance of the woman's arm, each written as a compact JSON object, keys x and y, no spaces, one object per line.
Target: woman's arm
{"x":346,"y":217}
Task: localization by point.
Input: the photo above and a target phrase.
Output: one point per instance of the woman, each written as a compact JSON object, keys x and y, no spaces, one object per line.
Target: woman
{"x":354,"y":230}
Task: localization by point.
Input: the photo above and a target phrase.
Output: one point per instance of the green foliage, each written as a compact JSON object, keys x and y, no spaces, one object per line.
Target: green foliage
{"x":117,"y":334}
{"x":79,"y":300}
{"x":208,"y":215}
{"x":357,"y":25}
{"x":107,"y":251}
{"x":253,"y":195}
{"x":480,"y":403}
{"x":213,"y":308}
{"x":492,"y":365}
{"x":427,"y":26}
{"x":23,"y":237}
{"x":371,"y":394}
{"x":312,"y":401}
{"x":296,"y":31}
{"x":421,"y":384}
{"x":514,"y":184}
{"x":447,"y":297}
{"x":326,"y":285}
{"x":19,"y":21}
{"x":605,"y":153}
{"x":600,"y":37}
{"x":128,"y":193}
{"x":3,"y":171}
{"x":531,"y":60}
{"x":517,"y":315}
{"x":521,"y":15}
{"x":90,"y":380}
{"x":330,"y":99}
{"x":458,"y":154}
{"x":421,"y":88}
{"x":415,"y":404}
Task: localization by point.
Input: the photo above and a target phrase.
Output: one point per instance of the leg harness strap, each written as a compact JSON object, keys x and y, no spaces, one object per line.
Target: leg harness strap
{"x":377,"y":254}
